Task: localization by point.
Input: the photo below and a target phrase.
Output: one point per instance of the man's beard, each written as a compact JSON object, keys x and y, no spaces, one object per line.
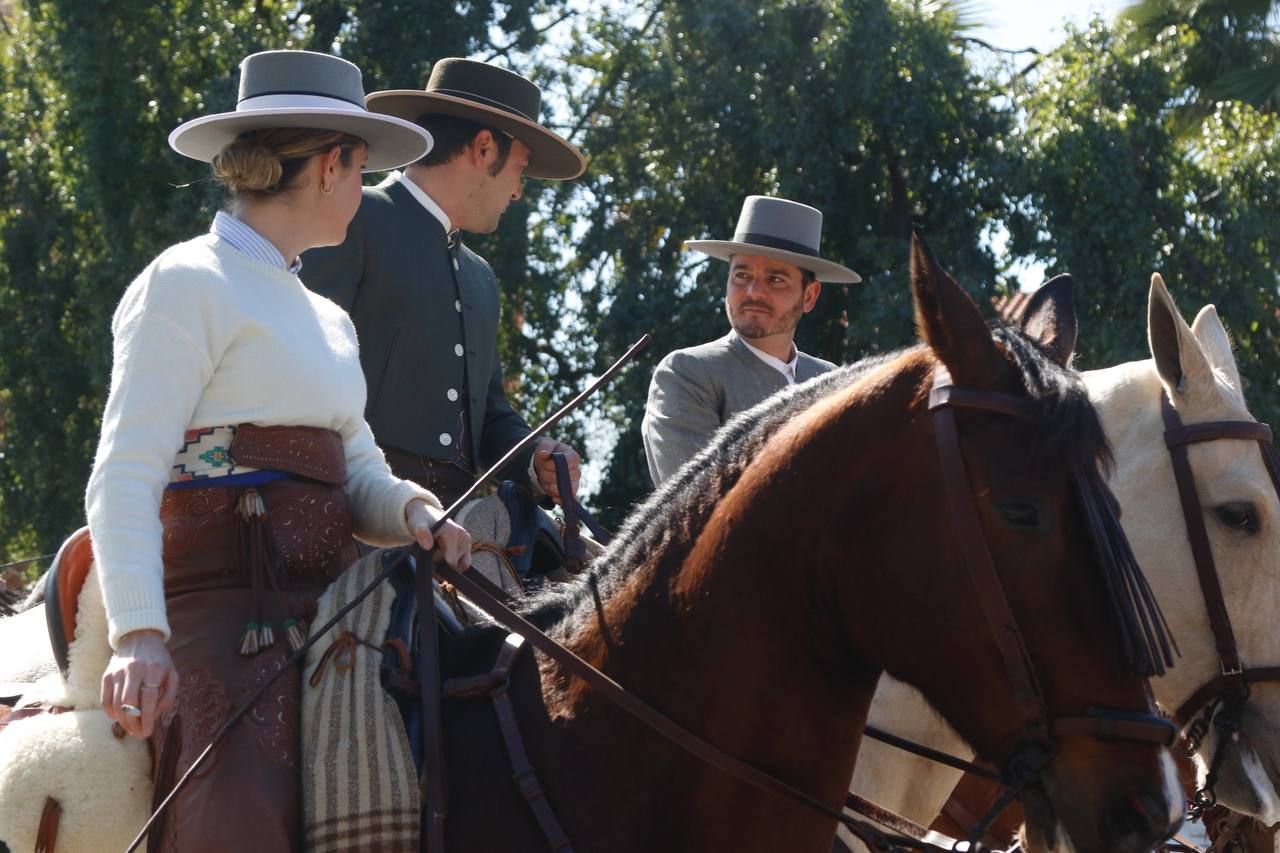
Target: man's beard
{"x":755,"y":326}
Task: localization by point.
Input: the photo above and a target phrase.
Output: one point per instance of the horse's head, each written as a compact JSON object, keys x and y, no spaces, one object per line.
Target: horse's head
{"x":1193,"y":368}
{"x":1030,"y":442}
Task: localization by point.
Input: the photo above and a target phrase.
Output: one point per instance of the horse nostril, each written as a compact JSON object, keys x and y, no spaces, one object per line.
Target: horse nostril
{"x":1137,"y":822}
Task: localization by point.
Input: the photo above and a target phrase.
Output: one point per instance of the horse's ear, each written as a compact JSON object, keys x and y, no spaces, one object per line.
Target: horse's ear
{"x":1050,"y":319}
{"x":1180,"y":361}
{"x":1216,"y":343}
{"x":949,"y":321}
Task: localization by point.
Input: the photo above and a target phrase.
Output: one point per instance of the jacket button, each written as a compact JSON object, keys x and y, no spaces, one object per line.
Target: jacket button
{"x":446,"y":439}
{"x":457,"y":350}
{"x":452,"y":394}
{"x":457,"y":305}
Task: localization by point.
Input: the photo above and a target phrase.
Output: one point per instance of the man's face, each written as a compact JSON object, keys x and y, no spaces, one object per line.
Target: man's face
{"x":497,"y":189}
{"x":766,"y":296}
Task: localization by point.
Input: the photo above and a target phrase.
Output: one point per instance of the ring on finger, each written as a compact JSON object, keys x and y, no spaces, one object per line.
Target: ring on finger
{"x":151,"y":686}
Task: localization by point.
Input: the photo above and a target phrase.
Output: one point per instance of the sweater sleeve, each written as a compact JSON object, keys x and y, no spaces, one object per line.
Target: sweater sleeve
{"x":378,"y":497}
{"x":161,"y":362}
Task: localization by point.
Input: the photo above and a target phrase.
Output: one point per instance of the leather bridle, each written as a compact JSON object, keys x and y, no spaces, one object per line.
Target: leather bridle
{"x":1221,"y":698}
{"x":1036,"y":741}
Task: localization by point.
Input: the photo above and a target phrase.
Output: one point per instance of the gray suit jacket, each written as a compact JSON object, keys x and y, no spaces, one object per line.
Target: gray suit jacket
{"x":428,"y":332}
{"x":695,"y":390}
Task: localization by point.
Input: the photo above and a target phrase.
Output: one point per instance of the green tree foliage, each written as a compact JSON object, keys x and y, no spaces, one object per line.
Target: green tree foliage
{"x":1102,"y":187}
{"x":1235,"y":54}
{"x":865,"y":109}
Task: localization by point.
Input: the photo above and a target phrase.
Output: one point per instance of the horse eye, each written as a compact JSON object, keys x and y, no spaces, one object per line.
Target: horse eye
{"x":1239,"y":516}
{"x":1020,"y":513}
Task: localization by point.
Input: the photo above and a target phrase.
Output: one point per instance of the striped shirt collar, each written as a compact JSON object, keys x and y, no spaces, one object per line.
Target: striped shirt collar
{"x":240,"y":236}
{"x":423,"y":199}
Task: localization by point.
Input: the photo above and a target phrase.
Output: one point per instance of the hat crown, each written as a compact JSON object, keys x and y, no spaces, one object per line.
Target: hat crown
{"x":300,"y":72}
{"x":488,"y":85}
{"x":779,"y":223}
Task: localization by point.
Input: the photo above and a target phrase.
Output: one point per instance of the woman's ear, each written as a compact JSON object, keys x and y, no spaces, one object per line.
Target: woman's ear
{"x":330,"y":162}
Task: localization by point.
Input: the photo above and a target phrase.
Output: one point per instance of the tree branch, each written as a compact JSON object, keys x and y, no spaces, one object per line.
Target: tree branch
{"x":615,"y":75}
{"x":505,"y":51}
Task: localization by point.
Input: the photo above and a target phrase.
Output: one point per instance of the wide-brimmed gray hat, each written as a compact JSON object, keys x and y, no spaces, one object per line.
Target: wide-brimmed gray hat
{"x":299,"y":88}
{"x":782,"y":229}
{"x":494,"y":97}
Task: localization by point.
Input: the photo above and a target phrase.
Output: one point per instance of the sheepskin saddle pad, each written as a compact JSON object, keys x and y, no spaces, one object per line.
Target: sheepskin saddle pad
{"x":67,"y":774}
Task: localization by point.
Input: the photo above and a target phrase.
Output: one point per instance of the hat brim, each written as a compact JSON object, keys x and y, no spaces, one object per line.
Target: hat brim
{"x":392,"y":142}
{"x":827,"y":272}
{"x":551,"y":157}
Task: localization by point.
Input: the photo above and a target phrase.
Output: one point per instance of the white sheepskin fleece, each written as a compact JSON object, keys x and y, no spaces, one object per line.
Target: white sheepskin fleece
{"x":102,"y":783}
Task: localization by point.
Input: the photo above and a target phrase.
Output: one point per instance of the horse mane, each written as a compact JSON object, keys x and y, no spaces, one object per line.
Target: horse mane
{"x":660,"y":531}
{"x":661,"y":528}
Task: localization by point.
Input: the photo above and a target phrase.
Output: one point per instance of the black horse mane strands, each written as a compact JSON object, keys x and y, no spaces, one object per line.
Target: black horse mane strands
{"x":684,"y":502}
{"x":1071,"y":426}
{"x":1066,"y":425}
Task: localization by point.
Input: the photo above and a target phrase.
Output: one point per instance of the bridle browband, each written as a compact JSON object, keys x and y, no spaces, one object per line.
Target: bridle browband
{"x":1036,"y":741}
{"x":1221,"y":698}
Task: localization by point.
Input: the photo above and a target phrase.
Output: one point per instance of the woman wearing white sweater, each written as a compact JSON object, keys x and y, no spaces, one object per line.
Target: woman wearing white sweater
{"x":235,"y":464}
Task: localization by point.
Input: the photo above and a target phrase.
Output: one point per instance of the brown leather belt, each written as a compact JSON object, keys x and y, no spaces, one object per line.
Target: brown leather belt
{"x":310,"y":452}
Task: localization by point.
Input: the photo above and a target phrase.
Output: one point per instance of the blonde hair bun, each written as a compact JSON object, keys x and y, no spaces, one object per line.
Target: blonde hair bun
{"x":246,"y":165}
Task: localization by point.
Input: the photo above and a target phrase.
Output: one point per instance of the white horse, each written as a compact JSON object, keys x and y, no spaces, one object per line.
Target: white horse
{"x":1195,"y":367}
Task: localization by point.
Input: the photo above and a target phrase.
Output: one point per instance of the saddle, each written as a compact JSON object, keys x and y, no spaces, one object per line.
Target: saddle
{"x":410,"y":639}
{"x":62,"y":584}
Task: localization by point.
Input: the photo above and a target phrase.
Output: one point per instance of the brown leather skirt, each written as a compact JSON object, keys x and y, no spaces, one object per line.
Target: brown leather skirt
{"x":247,"y":796}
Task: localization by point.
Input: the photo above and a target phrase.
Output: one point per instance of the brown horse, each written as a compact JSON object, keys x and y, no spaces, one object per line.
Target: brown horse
{"x":757,"y":597}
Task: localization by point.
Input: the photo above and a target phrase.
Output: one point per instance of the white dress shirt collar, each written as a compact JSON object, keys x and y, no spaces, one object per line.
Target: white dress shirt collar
{"x":423,"y":199}
{"x":786,"y":368}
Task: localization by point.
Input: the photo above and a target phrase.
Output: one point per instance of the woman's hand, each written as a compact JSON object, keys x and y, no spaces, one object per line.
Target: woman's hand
{"x":452,"y":539}
{"x":140,"y":683}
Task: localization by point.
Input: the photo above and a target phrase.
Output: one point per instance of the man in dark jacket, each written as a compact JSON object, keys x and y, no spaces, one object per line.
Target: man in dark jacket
{"x":425,"y":306}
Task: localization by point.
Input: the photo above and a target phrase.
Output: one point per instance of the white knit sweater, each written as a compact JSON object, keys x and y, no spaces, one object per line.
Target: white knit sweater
{"x":208,"y":336}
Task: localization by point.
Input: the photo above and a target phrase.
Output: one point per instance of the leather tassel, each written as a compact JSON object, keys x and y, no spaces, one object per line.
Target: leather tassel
{"x":249,"y":640}
{"x":295,"y":633}
{"x":251,"y":505}
{"x":47,"y":834}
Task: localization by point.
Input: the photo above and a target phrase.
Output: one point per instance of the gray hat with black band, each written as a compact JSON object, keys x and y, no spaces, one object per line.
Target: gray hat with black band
{"x":299,"y":88}
{"x":493,"y":97}
{"x":781,"y":229}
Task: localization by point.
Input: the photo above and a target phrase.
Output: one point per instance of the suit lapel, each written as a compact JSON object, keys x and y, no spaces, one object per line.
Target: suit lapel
{"x":760,"y":375}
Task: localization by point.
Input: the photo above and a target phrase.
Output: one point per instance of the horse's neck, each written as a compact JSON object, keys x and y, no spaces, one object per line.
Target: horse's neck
{"x":745,"y":646}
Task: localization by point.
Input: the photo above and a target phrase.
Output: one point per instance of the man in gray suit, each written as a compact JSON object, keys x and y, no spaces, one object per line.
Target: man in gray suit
{"x":425,"y":306}
{"x":775,"y":277}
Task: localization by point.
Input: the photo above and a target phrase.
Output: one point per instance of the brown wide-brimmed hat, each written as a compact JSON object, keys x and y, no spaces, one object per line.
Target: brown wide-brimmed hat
{"x":782,"y":229}
{"x":494,"y":97}
{"x":299,"y":88}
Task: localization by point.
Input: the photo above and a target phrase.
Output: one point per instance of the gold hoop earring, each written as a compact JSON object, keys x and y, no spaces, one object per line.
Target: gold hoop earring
{"x":327,"y":189}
